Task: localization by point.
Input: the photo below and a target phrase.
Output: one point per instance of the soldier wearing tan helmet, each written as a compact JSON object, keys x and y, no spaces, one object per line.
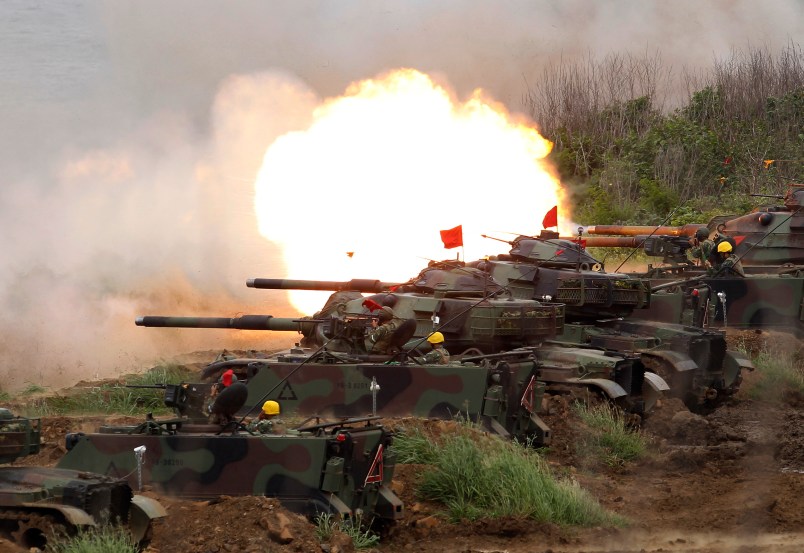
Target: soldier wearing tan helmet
{"x":728,"y":264}
{"x":438,"y":355}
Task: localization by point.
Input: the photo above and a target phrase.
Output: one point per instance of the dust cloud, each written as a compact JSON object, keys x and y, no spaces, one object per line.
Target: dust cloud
{"x":160,"y":222}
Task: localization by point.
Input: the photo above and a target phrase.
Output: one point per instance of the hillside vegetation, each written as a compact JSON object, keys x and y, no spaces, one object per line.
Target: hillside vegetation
{"x":626,"y":158}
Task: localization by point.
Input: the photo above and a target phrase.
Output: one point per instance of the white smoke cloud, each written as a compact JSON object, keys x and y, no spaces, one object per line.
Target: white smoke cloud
{"x":161,"y":222}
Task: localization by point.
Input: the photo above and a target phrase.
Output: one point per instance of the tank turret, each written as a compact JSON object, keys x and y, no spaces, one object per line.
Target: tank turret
{"x":470,"y":307}
{"x":768,"y":242}
{"x":545,"y":266}
{"x":766,"y":238}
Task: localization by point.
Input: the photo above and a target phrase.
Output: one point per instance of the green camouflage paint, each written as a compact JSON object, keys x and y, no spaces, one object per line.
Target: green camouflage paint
{"x":337,"y":468}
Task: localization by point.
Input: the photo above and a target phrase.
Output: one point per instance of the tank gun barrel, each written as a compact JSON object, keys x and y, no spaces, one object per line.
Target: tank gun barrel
{"x":367,"y":286}
{"x":611,"y":241}
{"x":637,"y":230}
{"x":245,"y":322}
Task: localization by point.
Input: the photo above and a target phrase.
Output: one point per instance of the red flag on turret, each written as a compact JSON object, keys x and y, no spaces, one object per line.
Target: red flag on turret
{"x":371,"y":305}
{"x":551,"y":218}
{"x":452,"y":238}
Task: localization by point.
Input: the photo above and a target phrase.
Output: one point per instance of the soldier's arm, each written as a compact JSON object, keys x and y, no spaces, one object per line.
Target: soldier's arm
{"x":378,"y":333}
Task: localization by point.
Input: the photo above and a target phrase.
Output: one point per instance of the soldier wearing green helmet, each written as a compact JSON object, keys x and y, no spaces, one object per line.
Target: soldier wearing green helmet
{"x":702,"y":247}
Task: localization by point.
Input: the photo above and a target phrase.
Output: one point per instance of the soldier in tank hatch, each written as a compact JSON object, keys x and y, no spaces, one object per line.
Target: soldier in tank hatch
{"x":728,"y":264}
{"x":702,"y":247}
{"x":439,"y":354}
{"x":268,"y":422}
{"x":378,"y":339}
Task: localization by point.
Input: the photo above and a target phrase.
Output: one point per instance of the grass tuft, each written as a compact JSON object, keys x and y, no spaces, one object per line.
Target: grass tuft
{"x":607,"y":437}
{"x":478,"y":476}
{"x":32,"y":389}
{"x":327,"y":525}
{"x":780,"y":373}
{"x":106,"y":539}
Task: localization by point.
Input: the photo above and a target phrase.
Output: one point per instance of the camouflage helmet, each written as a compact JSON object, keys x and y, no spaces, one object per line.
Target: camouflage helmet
{"x":436,"y":338}
{"x":386,"y":314}
{"x":5,"y":414}
{"x":270,"y":407}
{"x":702,"y":234}
{"x":724,"y":247}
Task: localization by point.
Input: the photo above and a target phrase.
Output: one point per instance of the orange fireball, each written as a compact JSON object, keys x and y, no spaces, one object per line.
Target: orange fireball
{"x":383,"y":168}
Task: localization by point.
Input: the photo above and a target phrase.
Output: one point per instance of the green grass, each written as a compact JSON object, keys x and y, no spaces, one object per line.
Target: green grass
{"x":779,"y":374}
{"x":606,"y":437}
{"x":477,"y":476}
{"x":106,"y":539}
{"x":114,"y":398}
{"x":362,"y":538}
{"x":32,"y":389}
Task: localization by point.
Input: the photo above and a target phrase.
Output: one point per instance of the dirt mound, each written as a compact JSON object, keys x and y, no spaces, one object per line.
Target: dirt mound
{"x":236,"y":524}
{"x":754,"y":342}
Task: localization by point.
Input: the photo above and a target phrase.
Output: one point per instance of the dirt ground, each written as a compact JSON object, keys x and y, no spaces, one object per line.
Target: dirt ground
{"x":727,"y":481}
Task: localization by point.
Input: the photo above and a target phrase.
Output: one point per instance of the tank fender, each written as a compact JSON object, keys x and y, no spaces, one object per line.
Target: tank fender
{"x":656,"y":382}
{"x":654,"y":387}
{"x":495,"y":427}
{"x":609,"y":387}
{"x":143,"y":511}
{"x":73,"y":515}
{"x":543,"y":433}
{"x":733,"y":364}
{"x":739,"y":359}
{"x":681,"y":362}
{"x":337,"y":506}
{"x":389,"y":506}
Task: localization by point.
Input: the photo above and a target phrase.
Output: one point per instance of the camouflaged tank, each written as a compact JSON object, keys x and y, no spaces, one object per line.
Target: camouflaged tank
{"x":470,"y":309}
{"x":768,"y":237}
{"x":466,"y":305}
{"x":38,"y":503}
{"x":338,"y":468}
{"x":694,"y":362}
{"x":769,"y":242}
{"x":602,"y":311}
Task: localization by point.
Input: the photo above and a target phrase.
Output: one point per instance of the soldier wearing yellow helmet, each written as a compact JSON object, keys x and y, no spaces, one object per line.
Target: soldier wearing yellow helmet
{"x":728,"y":264}
{"x":268,"y":422}
{"x":438,"y":355}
